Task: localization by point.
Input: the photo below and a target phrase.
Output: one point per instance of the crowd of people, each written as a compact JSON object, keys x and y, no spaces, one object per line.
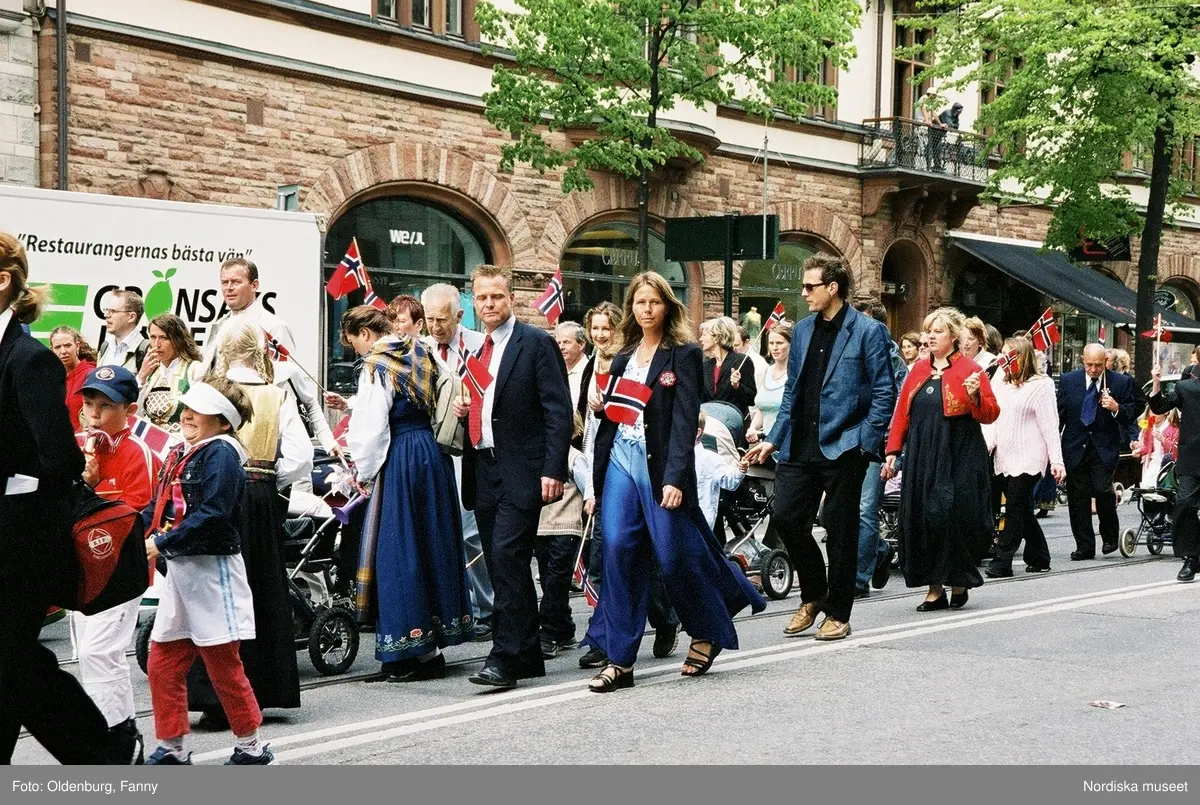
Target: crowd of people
{"x":481,"y":453}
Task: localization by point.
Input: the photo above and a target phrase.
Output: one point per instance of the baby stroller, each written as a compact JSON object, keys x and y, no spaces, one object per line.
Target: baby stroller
{"x":744,"y":513}
{"x":1155,"y":506}
{"x":889,"y":517}
{"x":324,"y":622}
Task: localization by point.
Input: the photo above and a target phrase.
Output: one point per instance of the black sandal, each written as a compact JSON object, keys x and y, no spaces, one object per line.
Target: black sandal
{"x":701,"y":661}
{"x":613,"y":677}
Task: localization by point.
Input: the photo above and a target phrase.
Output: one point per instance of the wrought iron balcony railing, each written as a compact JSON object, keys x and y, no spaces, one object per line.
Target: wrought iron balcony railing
{"x":896,"y":143}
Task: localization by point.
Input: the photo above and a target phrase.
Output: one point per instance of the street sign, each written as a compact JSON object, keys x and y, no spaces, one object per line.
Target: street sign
{"x":723,"y":237}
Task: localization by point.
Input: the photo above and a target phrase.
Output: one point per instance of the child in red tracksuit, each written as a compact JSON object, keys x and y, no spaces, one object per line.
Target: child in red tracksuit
{"x":206,"y":606}
{"x":118,"y":467}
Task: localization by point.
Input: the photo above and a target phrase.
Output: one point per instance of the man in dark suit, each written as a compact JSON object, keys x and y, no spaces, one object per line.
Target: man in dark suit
{"x":1186,"y":397}
{"x":836,"y":407}
{"x":518,"y":435}
{"x":39,"y":461}
{"x":1096,"y":408}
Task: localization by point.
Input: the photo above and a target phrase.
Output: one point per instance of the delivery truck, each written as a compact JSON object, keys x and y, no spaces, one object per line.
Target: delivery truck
{"x":83,"y":245}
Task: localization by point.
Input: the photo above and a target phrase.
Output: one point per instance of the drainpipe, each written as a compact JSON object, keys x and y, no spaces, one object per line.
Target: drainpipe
{"x":60,"y":33}
{"x":879,"y":59}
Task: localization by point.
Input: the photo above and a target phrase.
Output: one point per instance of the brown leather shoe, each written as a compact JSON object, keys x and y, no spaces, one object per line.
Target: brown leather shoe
{"x":804,"y":618}
{"x":832,"y":630}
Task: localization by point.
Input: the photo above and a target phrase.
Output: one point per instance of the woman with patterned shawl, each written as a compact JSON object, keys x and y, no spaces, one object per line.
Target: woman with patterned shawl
{"x":412,"y":561}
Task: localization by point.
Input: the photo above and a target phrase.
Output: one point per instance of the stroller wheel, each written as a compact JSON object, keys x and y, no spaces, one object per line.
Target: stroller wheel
{"x":776,"y":574}
{"x":1128,"y":543}
{"x":141,"y":642}
{"x":333,"y":642}
{"x":1154,"y":544}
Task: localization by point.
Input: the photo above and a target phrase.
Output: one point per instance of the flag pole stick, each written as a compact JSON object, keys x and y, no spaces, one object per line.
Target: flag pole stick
{"x":1157,"y":340}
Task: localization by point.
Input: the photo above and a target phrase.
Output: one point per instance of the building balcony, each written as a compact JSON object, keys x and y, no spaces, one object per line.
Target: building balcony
{"x":899,"y":146}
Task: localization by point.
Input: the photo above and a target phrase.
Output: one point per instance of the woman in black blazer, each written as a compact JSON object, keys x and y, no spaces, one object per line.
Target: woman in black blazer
{"x":39,"y":462}
{"x":733,"y":382}
{"x":650,"y":467}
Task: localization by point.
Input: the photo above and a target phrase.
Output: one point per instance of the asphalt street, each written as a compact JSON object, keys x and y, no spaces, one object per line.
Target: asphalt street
{"x":1009,"y":679}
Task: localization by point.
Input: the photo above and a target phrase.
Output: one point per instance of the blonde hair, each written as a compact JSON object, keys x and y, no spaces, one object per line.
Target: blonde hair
{"x":951,"y":317}
{"x":1121,"y":361}
{"x":975,"y":326}
{"x":723,"y":330}
{"x":782,"y":329}
{"x":677,"y":325}
{"x":26,"y":302}
{"x":246,"y":346}
{"x":488,"y":272}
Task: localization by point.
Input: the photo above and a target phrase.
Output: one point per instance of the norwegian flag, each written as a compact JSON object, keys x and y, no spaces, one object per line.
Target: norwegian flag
{"x":277,"y":350}
{"x":776,"y":316}
{"x":475,"y":373}
{"x":350,"y":274}
{"x":1158,"y":332}
{"x":339,"y":432}
{"x":552,"y":303}
{"x":603,"y":383}
{"x":1044,"y":331}
{"x":462,"y":357}
{"x":577,"y":576}
{"x":371,"y":299}
{"x":160,"y":442}
{"x":589,"y":592}
{"x":1008,"y":362}
{"x":626,"y":400}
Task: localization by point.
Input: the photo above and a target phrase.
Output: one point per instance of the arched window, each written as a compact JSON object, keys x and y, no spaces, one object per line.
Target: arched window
{"x":763,"y":283}
{"x":406,"y":245}
{"x":599,"y":261}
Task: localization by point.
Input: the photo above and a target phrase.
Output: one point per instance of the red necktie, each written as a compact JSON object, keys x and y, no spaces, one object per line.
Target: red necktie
{"x":475,"y":417}
{"x":445,"y":348}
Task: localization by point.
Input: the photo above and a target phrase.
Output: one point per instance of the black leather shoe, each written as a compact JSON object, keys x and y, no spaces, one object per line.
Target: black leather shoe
{"x":998,"y":572}
{"x":941,"y":602}
{"x":549,"y":649}
{"x":483,"y":632}
{"x":1032,"y":569}
{"x":1108,"y":547}
{"x":595,"y":658}
{"x":958,"y":601}
{"x":883,"y":570}
{"x":493,"y":677}
{"x":665,"y":641}
{"x":419,"y":671}
{"x":861,"y":593}
{"x":1188,"y":571}
{"x":1076,"y":556}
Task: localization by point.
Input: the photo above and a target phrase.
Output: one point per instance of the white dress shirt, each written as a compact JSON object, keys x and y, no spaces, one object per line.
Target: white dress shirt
{"x":118,"y":351}
{"x":500,"y":338}
{"x":472,"y":340}
{"x":575,"y":379}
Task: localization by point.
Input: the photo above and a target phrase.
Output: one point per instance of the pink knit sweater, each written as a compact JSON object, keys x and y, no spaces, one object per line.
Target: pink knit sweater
{"x":1026,"y":434}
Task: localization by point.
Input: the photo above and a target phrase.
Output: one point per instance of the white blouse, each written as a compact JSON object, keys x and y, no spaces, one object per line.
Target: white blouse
{"x":636,"y":431}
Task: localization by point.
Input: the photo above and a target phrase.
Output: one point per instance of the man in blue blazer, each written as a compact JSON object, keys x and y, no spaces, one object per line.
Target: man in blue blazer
{"x":514,"y":462}
{"x":836,"y":406}
{"x":1096,"y":409}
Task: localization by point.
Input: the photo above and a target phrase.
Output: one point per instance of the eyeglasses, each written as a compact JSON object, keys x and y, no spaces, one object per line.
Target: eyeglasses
{"x":113,"y":311}
{"x":809,"y":287}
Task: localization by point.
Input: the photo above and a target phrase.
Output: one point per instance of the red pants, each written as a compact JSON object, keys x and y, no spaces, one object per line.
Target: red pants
{"x":168,"y":669}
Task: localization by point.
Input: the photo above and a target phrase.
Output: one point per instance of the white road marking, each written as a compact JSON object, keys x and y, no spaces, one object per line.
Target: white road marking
{"x":490,"y":706}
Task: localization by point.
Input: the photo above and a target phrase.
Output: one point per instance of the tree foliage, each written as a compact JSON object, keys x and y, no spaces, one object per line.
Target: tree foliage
{"x":1085,"y":82}
{"x":613,"y":67}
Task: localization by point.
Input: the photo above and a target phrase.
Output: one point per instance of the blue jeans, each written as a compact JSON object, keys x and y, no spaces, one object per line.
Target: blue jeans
{"x":871,"y":548}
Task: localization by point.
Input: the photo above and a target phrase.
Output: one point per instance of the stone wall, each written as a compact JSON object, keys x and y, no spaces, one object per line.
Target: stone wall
{"x":18,"y":110}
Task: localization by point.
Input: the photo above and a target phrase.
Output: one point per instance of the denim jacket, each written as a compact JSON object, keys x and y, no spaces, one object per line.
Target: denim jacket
{"x":212,"y":482}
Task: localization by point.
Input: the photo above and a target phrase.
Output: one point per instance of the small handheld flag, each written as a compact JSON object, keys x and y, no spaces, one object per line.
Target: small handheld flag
{"x":552,"y":302}
{"x":371,"y":299}
{"x":476,"y":374}
{"x":1158,"y":332}
{"x":1044,"y":331}
{"x":1008,"y":362}
{"x":626,"y":400}
{"x":160,"y":441}
{"x":277,"y":350}
{"x":776,"y":316}
{"x":349,"y":275}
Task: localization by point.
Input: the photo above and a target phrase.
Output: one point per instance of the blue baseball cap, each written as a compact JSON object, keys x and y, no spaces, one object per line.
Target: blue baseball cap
{"x":115,"y":382}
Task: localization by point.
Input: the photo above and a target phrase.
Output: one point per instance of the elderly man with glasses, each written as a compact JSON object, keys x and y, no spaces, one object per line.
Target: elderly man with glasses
{"x":124,"y":345}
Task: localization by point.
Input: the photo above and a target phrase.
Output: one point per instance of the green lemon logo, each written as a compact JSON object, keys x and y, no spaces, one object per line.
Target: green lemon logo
{"x":160,"y":296}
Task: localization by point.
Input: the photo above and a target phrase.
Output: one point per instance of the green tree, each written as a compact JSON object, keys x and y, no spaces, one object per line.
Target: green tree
{"x":615,"y":67}
{"x":1086,"y":82}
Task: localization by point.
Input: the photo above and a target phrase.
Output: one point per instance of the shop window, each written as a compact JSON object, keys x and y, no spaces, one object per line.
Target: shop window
{"x":406,"y":245}
{"x":1178,"y":298}
{"x":763,"y":283}
{"x":599,"y":261}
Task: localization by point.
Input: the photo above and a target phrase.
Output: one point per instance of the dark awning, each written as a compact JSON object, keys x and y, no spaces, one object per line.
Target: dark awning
{"x":1054,"y":275}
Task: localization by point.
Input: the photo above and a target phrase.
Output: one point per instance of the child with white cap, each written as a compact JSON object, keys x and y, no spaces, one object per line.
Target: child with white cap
{"x":206,"y":607}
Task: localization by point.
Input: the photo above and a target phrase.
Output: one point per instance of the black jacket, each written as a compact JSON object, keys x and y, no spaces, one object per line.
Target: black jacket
{"x":531,"y":420}
{"x":743,"y":396}
{"x":1186,"y":397}
{"x":672,"y":419}
{"x":212,"y":482}
{"x":36,"y":439}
